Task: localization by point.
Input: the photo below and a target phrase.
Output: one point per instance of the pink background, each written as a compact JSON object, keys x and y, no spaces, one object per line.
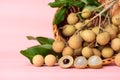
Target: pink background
{"x":20,"y":18}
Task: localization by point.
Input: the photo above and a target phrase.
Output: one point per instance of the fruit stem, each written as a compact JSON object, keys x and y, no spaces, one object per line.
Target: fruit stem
{"x":104,"y":10}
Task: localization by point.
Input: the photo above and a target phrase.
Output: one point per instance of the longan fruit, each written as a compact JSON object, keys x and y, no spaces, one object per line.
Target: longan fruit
{"x":38,"y":60}
{"x":117,"y":59}
{"x":89,"y":24}
{"x":72,"y":18}
{"x":75,"y":42}
{"x":78,"y":25}
{"x":103,"y":38}
{"x":107,"y":52}
{"x":58,"y":46}
{"x":88,"y":35}
{"x":67,"y":51}
{"x":68,"y":30}
{"x":111,"y":31}
{"x":50,"y":60}
{"x":96,"y":30}
{"x":115,"y":44}
{"x":116,"y":19}
{"x":86,"y":13}
{"x":96,"y":51}
{"x":87,"y":52}
{"x":77,"y":52}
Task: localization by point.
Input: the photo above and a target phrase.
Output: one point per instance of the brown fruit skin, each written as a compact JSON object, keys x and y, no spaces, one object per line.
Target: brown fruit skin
{"x":68,"y":30}
{"x":38,"y":60}
{"x":72,"y":18}
{"x":103,"y":38}
{"x":88,"y":35}
{"x":75,"y":42}
{"x":87,"y":52}
{"x":117,"y":59}
{"x":116,"y":19}
{"x":50,"y":60}
{"x":107,"y":52}
{"x":58,"y":46}
{"x":86,"y":13}
{"x":96,"y":52}
{"x":115,"y":44}
{"x":67,"y":51}
{"x":111,"y":31}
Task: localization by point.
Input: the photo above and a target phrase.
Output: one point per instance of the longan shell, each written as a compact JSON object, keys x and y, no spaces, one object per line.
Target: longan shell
{"x":58,"y":36}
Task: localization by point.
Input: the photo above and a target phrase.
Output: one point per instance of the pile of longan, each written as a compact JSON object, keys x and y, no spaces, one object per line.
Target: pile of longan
{"x":88,"y":45}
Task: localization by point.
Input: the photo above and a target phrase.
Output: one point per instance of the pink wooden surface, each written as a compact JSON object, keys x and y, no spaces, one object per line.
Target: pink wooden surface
{"x":20,"y":18}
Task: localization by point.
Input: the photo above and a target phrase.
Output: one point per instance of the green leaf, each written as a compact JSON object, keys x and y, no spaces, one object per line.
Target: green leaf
{"x":58,"y":4}
{"x":91,"y":2}
{"x":77,"y":4}
{"x":45,"y":40}
{"x":39,"y":49}
{"x":41,"y":40}
{"x":60,"y":15}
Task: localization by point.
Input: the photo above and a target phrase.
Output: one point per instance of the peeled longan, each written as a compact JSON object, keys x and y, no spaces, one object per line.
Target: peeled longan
{"x":67,"y":51}
{"x":116,"y":19}
{"x":68,"y":30}
{"x":107,"y":52}
{"x":117,"y":59}
{"x":72,"y":18}
{"x":87,"y":52}
{"x":75,"y":42}
{"x":38,"y":60}
{"x":88,"y":35}
{"x":103,"y":38}
{"x":50,"y":60}
{"x":115,"y":44}
{"x":58,"y":46}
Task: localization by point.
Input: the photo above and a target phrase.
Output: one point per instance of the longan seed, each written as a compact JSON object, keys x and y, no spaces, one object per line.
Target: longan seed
{"x":58,"y":46}
{"x":38,"y":60}
{"x":107,"y":52}
{"x":50,"y":60}
{"x":72,"y":18}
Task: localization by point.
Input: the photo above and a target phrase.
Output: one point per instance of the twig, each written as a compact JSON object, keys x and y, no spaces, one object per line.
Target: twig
{"x":104,"y":10}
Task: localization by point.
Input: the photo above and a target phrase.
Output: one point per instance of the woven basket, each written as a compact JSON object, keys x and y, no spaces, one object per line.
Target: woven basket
{"x":58,"y":36}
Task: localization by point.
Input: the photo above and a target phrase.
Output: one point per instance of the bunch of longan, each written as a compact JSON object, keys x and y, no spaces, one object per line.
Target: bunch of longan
{"x":86,"y":44}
